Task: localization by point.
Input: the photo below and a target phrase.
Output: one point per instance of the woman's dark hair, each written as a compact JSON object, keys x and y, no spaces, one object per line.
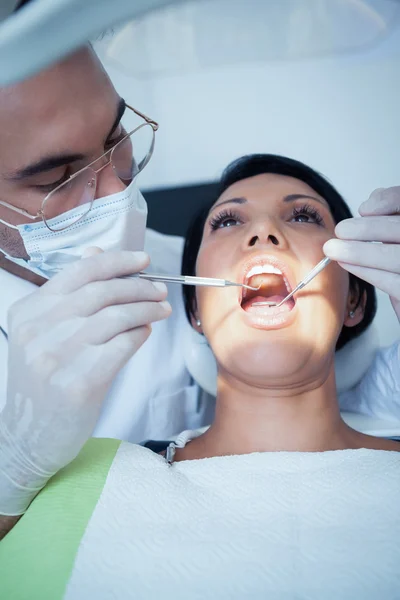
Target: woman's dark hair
{"x":258,"y":164}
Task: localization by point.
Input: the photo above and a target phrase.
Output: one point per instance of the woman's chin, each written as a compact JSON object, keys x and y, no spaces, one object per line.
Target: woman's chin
{"x":272,"y":343}
{"x":280,"y":366}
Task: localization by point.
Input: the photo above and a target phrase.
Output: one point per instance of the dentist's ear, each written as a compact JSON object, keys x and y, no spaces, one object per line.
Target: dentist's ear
{"x":354,"y":309}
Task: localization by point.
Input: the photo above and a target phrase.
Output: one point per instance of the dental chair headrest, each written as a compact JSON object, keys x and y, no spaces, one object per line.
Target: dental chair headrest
{"x":351,"y":362}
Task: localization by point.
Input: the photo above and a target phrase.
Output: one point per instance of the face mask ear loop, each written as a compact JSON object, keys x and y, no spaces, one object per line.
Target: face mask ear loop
{"x":5,"y":254}
{"x":9,"y":225}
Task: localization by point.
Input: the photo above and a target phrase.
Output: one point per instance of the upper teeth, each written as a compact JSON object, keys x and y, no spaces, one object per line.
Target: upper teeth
{"x":260,"y":269}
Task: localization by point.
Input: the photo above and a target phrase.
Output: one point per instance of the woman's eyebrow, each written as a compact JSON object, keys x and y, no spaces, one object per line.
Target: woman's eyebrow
{"x":233,"y":200}
{"x":288,"y":198}
{"x":293,"y":197}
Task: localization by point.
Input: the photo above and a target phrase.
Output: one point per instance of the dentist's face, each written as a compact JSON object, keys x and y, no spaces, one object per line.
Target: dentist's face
{"x":51,"y":126}
{"x":268,"y":231}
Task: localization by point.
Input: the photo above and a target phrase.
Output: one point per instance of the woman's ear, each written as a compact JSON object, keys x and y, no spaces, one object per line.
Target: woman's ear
{"x":195,"y":318}
{"x":355,"y":308}
{"x":196,"y":323}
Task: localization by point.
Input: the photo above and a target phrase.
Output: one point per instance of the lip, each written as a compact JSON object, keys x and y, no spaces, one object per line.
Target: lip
{"x":264,"y":317}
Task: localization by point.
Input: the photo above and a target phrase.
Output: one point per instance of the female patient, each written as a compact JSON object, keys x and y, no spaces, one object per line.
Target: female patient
{"x":279,"y":498}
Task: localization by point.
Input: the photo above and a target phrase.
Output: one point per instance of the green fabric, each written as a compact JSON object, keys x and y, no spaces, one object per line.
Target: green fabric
{"x":37,"y":556}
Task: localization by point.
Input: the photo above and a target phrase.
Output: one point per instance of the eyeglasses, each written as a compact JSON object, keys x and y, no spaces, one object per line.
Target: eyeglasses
{"x":128,"y":157}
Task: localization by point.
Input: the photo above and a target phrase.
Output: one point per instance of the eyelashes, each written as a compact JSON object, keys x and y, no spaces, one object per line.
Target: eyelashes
{"x":305,"y":214}
{"x":49,"y":187}
{"x":221,"y":220}
{"x":310,"y":213}
{"x":117,"y":137}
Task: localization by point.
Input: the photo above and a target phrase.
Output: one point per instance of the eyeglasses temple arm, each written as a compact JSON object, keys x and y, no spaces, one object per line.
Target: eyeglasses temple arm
{"x":154,"y":124}
{"x":21,"y":211}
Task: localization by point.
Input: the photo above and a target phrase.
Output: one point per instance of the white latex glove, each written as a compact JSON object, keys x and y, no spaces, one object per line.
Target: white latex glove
{"x":379,"y":264}
{"x":67,"y":342}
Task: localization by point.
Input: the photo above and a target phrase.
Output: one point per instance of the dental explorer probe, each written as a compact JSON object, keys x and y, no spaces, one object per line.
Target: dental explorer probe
{"x":191,"y":280}
{"x":313,"y":273}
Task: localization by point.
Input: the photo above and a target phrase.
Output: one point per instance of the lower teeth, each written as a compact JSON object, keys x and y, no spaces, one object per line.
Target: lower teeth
{"x":266,"y":303}
{"x":271,"y":304}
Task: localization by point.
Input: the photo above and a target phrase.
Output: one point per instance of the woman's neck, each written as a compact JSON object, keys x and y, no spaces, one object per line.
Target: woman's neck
{"x":255,"y":420}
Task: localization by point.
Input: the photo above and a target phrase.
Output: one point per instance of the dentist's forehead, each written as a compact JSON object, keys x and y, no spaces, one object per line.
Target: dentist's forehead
{"x":56,"y":110}
{"x":69,"y":82}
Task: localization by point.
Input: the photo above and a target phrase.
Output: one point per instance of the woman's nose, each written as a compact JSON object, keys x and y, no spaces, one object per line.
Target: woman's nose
{"x":268,"y":234}
{"x":108,"y":182}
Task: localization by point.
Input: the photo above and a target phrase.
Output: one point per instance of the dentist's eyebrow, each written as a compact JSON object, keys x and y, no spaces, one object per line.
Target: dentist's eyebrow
{"x":120,"y":113}
{"x":48,"y":163}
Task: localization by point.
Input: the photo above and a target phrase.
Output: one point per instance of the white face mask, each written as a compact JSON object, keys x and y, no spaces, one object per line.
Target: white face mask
{"x":116,"y":222}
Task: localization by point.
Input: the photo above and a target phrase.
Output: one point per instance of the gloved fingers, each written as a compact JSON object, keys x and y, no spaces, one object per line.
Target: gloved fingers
{"x":373,"y":229}
{"x":385,"y":257}
{"x":100,"y":294}
{"x":91,"y":251}
{"x":36,"y":315}
{"x":76,"y":372}
{"x":102,"y":266}
{"x":88,"y":374}
{"x":57,"y":316}
{"x":58,"y":342}
{"x":114,"y":320}
{"x":116,"y":353}
{"x":91,"y":383}
{"x":383,"y":201}
{"x":387,"y":282}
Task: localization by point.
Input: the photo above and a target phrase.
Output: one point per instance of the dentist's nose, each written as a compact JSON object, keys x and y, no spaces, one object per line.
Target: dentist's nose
{"x":108,"y":182}
{"x":267,"y":234}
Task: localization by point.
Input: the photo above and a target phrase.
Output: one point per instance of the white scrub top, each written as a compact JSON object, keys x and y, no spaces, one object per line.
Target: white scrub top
{"x":154,"y":395}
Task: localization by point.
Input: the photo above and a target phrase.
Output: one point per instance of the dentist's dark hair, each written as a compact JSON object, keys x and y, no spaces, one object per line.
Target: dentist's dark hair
{"x":258,"y":164}
{"x":21,"y":4}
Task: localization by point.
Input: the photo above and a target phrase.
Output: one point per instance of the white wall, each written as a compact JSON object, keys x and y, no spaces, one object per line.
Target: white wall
{"x":340,"y":116}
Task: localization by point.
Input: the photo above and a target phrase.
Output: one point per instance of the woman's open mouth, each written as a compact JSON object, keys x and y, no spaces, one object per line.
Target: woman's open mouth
{"x":272,"y":278}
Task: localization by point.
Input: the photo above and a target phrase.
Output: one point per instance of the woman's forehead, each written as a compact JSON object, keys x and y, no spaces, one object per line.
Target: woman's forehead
{"x":267,"y":185}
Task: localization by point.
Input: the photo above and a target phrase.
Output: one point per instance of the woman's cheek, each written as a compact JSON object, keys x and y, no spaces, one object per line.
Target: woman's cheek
{"x":337,"y":290}
{"x":200,"y":301}
{"x":207,"y":304}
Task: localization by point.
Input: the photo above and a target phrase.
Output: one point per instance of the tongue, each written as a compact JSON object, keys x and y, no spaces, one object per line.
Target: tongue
{"x":273,"y":299}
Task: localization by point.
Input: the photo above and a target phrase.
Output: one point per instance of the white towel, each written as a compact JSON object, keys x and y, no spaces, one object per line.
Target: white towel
{"x":304,"y":526}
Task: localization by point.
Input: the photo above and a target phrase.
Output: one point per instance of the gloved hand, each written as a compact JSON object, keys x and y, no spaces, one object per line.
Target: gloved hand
{"x":379,"y":264}
{"x":67,"y":342}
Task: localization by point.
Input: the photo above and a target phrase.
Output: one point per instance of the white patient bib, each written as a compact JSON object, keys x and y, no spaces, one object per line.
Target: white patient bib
{"x":263,"y":526}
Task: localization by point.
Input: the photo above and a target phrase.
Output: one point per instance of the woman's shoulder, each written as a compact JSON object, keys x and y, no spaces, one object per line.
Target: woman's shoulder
{"x":389,"y":445}
{"x":376,"y":443}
